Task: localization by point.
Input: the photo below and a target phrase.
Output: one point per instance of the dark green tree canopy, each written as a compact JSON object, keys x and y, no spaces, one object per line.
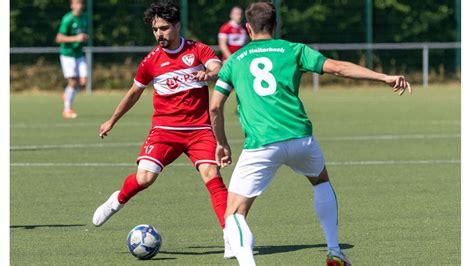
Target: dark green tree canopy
{"x":119,"y":22}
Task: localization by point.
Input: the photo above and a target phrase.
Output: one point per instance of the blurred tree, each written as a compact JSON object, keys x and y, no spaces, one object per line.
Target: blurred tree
{"x":119,"y":22}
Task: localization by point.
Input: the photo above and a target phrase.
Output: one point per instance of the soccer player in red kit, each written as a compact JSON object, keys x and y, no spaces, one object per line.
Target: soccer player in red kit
{"x":179,"y":70}
{"x":232,"y":34}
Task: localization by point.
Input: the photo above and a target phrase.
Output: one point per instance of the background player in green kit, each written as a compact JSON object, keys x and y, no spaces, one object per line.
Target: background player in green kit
{"x":266,"y":75}
{"x":71,"y":37}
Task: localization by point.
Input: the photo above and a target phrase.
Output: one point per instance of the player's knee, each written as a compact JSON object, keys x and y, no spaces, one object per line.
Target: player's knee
{"x":321,"y":178}
{"x":238,"y":204}
{"x":145,"y":178}
{"x":72,"y":82}
{"x":83,"y":83}
{"x":147,"y":173}
{"x":208,"y":171}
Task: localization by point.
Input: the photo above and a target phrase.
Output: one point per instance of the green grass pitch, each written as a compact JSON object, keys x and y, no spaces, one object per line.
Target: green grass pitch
{"x":394,"y":163}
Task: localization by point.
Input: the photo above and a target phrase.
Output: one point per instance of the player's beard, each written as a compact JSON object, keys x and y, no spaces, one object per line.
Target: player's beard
{"x":163,"y":42}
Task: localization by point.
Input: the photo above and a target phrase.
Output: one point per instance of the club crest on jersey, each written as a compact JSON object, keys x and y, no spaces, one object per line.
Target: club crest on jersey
{"x":188,"y":59}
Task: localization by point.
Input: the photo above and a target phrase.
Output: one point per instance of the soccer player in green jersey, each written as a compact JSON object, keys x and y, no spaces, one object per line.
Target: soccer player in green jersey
{"x":71,"y":37}
{"x":265,"y":75}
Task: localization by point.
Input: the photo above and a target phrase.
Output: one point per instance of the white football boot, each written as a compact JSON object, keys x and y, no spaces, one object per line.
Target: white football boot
{"x":228,"y":253}
{"x":106,"y":210}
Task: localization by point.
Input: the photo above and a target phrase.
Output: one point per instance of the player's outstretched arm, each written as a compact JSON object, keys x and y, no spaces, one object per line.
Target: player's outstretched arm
{"x":216,"y":111}
{"x":213,"y":68}
{"x":349,"y":70}
{"x":127,"y":102}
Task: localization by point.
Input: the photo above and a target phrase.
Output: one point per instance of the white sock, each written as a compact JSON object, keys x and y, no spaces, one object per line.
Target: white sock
{"x":240,"y":239}
{"x":325,"y":205}
{"x":69,"y":93}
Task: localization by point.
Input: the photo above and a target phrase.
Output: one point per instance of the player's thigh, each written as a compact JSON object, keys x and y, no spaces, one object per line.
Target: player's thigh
{"x":161,"y":148}
{"x":82,"y":69}
{"x":305,"y":156}
{"x":201,"y":150}
{"x":68,"y":65}
{"x":255,"y":169}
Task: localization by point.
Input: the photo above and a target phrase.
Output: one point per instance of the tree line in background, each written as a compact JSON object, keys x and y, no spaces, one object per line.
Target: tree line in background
{"x":119,"y":22}
{"x":34,"y":23}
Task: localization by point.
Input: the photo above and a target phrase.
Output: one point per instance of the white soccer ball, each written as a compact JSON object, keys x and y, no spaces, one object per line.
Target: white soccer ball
{"x":144,"y":241}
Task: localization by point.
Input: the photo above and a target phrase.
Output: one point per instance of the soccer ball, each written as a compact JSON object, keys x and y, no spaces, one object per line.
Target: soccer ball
{"x":144,"y":241}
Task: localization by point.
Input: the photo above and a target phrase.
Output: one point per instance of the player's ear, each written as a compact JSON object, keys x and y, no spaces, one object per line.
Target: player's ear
{"x":249,"y":29}
{"x":178,"y":26}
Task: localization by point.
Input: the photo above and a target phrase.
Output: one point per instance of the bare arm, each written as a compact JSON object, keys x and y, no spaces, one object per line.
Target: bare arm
{"x":127,"y":102}
{"x":213,"y":68}
{"x":223,"y":47}
{"x":349,"y":70}
{"x":216,"y":111}
{"x":81,"y":37}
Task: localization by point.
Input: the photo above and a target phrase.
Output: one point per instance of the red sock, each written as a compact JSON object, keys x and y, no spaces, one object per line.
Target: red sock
{"x":218,"y":192}
{"x":129,"y":189}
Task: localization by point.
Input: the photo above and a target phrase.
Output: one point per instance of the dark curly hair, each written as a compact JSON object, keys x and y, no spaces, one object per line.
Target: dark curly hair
{"x":167,"y":10}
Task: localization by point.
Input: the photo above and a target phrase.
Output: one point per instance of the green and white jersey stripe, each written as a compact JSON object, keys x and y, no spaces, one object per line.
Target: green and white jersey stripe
{"x":265,"y":75}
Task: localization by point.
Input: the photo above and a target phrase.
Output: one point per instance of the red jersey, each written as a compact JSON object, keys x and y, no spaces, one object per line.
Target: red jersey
{"x":180,"y":102}
{"x":235,"y":34}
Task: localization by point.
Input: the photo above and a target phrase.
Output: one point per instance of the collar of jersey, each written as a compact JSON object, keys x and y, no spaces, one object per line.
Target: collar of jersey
{"x":234,"y":24}
{"x":177,"y":50}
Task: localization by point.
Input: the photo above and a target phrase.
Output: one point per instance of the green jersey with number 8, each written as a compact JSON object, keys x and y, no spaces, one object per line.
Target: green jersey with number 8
{"x":265,"y":75}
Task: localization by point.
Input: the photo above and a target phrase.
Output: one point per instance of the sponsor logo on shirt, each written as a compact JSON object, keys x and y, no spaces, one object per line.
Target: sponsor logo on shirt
{"x":176,"y":81}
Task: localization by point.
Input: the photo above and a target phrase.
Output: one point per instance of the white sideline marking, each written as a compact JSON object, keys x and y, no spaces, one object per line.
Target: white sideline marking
{"x":389,"y":162}
{"x":74,"y":124}
{"x":394,"y":137}
{"x":236,"y":141}
{"x":88,"y":124}
{"x":148,"y":124}
{"x":71,"y":146}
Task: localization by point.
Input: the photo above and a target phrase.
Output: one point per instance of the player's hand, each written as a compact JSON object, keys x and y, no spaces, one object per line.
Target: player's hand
{"x":223,"y":155}
{"x":399,"y":84}
{"x":105,"y":128}
{"x":82,"y":37}
{"x":201,"y":76}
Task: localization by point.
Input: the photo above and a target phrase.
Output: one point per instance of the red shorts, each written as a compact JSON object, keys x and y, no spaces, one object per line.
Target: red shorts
{"x":163,"y":146}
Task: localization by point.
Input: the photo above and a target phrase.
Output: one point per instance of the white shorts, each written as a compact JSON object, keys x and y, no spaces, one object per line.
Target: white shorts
{"x":256,"y":168}
{"x":73,"y":67}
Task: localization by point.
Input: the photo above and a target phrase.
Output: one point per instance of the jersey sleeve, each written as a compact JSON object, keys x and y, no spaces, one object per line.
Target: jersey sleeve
{"x":63,"y":27}
{"x":143,"y":76}
{"x":206,"y":54}
{"x":308,"y":59}
{"x":224,"y":83}
{"x":223,"y":31}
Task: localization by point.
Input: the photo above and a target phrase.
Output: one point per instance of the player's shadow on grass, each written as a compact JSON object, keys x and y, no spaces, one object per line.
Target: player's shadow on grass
{"x":267,"y":250}
{"x":259,"y":250}
{"x":194,"y":253}
{"x":34,"y":226}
